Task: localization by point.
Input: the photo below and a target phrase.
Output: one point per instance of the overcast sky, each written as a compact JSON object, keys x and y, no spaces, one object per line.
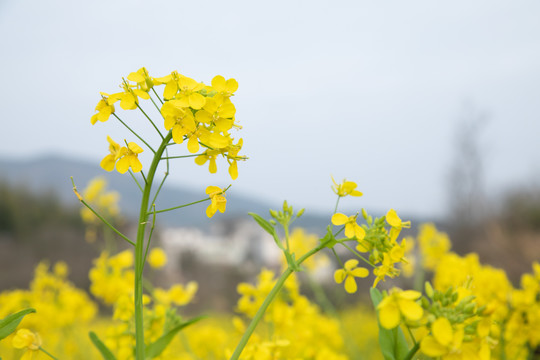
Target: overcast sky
{"x":368,"y":90}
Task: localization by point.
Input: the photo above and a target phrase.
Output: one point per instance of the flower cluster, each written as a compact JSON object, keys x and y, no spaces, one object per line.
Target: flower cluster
{"x":204,"y":115}
{"x":296,"y":322}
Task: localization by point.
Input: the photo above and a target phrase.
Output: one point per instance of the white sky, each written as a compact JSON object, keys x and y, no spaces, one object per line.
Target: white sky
{"x":367,"y":90}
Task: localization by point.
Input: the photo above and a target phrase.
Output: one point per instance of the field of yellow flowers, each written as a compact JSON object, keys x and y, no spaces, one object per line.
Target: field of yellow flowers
{"x":458,"y":308}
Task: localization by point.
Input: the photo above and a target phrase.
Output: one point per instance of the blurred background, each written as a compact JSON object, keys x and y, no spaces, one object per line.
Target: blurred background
{"x":431,"y":108}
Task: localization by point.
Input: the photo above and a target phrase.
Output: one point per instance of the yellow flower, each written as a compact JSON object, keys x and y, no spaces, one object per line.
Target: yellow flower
{"x":348,"y":273}
{"x":397,"y":305}
{"x":385,"y":269}
{"x":395,"y":222}
{"x":443,"y":339}
{"x":219,"y":202}
{"x":129,"y":158}
{"x":224,"y":87}
{"x":104,"y":111}
{"x":157,"y":258}
{"x":26,"y":339}
{"x":109,"y":161}
{"x":345,"y":188}
{"x":352,"y":229}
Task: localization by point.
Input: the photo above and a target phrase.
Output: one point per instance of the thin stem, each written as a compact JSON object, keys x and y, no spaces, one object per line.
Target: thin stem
{"x":157,"y":107}
{"x":144,"y":177}
{"x":99,"y":216}
{"x":192,"y":203}
{"x":160,"y":186}
{"x":134,"y":133}
{"x":154,"y":90}
{"x":139,"y":248}
{"x":411,"y":334}
{"x":275,"y":290}
{"x":181,"y":156}
{"x":182,"y":206}
{"x":151,"y":122}
{"x":358,"y":254}
{"x":337,"y":257}
{"x":136,"y":181}
{"x":337,"y":203}
{"x":413,"y":351}
{"x":149,"y":239}
{"x":48,"y":353}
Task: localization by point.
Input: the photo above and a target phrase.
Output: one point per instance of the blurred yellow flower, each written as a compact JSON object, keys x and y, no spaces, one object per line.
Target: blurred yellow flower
{"x":348,"y":273}
{"x":157,"y":258}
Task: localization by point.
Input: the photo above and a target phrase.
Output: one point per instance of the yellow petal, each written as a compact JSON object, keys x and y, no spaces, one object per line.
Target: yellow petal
{"x":135,"y":163}
{"x":170,"y":89}
{"x":339,"y":276}
{"x":210,"y":211}
{"x":135,"y":77}
{"x":196,"y":101}
{"x":339,"y":219}
{"x":218,"y":83}
{"x":442,"y":331}
{"x":108,"y":163}
{"x":232,"y":85}
{"x":389,"y":316}
{"x":393,"y":219}
{"x":135,"y":148}
{"x":193,"y":144}
{"x":351,"y":264}
{"x":122,"y":166}
{"x":410,"y":309}
{"x":350,"y":285}
{"x":360,"y":272}
{"x":431,"y":347}
{"x":233,"y":170}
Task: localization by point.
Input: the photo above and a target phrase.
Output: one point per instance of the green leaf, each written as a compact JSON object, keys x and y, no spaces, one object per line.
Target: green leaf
{"x":267,"y":227}
{"x":10,"y":322}
{"x":157,"y":347}
{"x":103,"y":349}
{"x":392,"y":342}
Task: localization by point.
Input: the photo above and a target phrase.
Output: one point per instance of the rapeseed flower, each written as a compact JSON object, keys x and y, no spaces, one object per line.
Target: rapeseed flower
{"x":26,"y":339}
{"x":352,"y":229}
{"x":348,"y":273}
{"x":218,"y":200}
{"x":157,"y":258}
{"x":345,"y":188}
{"x":399,"y":304}
{"x":128,"y":158}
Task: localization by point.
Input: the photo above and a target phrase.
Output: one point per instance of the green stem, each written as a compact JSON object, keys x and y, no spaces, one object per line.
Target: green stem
{"x":139,"y":248}
{"x":275,"y":290}
{"x":413,"y":351}
{"x":192,"y":203}
{"x":136,"y":181}
{"x":182,"y":156}
{"x":149,"y":237}
{"x":134,"y":133}
{"x":48,"y":353}
{"x":99,"y":216}
{"x":154,"y":90}
{"x":151,"y":122}
{"x":153,"y":102}
{"x":358,"y":254}
{"x":160,"y":186}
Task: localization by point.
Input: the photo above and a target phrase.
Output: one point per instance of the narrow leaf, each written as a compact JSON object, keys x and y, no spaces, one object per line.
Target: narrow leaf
{"x":103,"y":349}
{"x":156,"y":348}
{"x":268,"y":228}
{"x":263,"y":223}
{"x":392,"y":342}
{"x":10,"y":322}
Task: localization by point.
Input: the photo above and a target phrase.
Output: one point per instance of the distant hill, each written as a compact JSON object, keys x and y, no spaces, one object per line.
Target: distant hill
{"x":52,"y":174}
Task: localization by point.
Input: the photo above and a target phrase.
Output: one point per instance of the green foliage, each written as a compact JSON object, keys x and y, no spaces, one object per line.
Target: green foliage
{"x":103,"y":349}
{"x":10,"y":323}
